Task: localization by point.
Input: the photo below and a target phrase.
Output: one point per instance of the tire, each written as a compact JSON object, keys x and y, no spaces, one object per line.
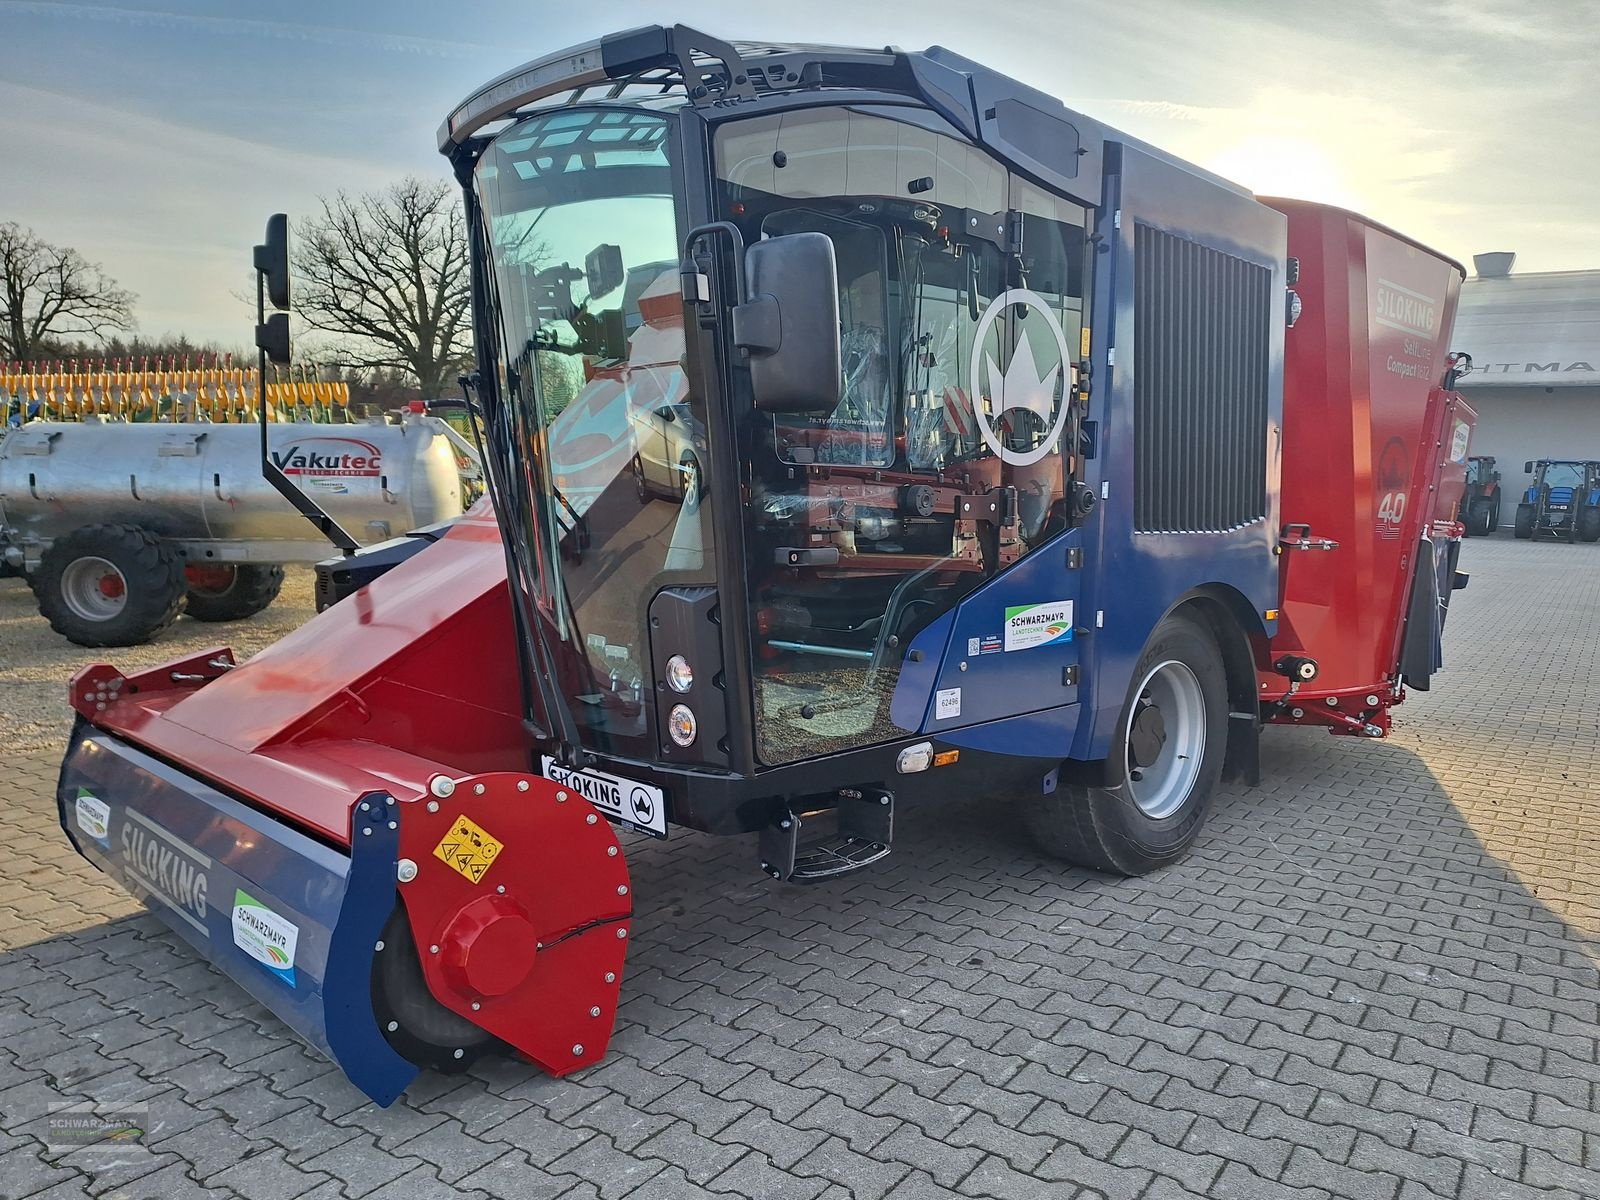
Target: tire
{"x":237,"y":592}
{"x":110,"y":585}
{"x":413,"y":1021}
{"x":640,"y":487}
{"x":1589,"y":525}
{"x":1147,"y":817}
{"x":689,"y":481}
{"x":1480,"y":522}
{"x":1524,"y":526}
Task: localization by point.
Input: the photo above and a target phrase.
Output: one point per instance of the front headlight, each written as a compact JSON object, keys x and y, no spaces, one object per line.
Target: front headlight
{"x":681,"y":725}
{"x":680,"y":675}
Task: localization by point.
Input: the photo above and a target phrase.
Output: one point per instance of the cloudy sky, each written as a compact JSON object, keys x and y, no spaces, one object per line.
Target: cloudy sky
{"x":155,"y":137}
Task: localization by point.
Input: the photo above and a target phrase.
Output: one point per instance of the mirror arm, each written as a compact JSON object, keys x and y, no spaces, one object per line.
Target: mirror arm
{"x":690,"y":270}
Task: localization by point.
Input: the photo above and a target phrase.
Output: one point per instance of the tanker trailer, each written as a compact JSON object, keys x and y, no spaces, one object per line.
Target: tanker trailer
{"x":119,"y":528}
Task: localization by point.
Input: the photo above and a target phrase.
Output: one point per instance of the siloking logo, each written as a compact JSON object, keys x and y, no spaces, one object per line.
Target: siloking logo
{"x":166,"y":867}
{"x":330,"y":456}
{"x":264,"y":935}
{"x":1403,"y":309}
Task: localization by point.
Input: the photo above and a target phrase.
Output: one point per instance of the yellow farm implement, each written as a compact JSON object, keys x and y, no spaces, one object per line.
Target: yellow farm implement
{"x":120,"y":390}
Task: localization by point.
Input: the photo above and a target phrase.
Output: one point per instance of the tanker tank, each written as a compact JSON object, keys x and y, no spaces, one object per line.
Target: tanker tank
{"x":121,"y":527}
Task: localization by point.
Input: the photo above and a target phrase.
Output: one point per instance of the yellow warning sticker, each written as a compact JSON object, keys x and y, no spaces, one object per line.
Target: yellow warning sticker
{"x":468,"y":848}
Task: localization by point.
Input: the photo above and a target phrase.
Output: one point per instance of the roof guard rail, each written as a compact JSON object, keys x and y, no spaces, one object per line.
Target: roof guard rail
{"x":707,"y":65}
{"x":710,"y":71}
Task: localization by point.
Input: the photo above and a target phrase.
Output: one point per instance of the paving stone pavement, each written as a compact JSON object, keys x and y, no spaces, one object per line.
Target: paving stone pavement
{"x":1374,"y":977}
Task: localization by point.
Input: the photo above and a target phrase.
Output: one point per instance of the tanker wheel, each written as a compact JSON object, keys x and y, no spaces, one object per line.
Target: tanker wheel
{"x":110,"y":585}
{"x":231,"y":592}
{"x":1171,"y":738}
{"x":1589,"y":525}
{"x":414,"y":1022}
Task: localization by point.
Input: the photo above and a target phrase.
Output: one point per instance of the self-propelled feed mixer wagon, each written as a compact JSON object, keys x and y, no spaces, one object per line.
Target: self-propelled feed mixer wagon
{"x":863,"y":426}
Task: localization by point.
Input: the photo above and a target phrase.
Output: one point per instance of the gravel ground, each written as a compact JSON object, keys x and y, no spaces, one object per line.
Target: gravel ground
{"x":36,"y":662}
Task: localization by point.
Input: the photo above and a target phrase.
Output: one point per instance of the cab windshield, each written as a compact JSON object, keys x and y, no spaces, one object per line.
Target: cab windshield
{"x":582,"y":234}
{"x":1563,"y":474}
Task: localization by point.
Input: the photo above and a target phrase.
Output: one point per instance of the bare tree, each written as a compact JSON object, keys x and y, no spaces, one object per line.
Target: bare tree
{"x":49,"y":293}
{"x":388,"y":271}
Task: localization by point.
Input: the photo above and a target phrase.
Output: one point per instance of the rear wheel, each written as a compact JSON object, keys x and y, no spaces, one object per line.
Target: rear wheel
{"x":231,"y":592}
{"x":1172,"y":735}
{"x":1524,"y":526}
{"x":109,"y":585}
{"x":414,"y":1022}
{"x":1589,"y":525}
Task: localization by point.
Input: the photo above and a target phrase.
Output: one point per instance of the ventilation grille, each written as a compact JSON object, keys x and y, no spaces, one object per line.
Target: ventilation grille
{"x":1201,"y":324}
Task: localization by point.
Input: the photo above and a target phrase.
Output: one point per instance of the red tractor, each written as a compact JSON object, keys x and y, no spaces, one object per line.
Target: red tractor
{"x":1480,"y":503}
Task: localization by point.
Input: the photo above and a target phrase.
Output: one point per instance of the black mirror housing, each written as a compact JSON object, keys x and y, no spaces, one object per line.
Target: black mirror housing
{"x":1527,"y":468}
{"x":272,"y":260}
{"x":790,"y":324}
{"x":273,"y":337}
{"x":603,"y":271}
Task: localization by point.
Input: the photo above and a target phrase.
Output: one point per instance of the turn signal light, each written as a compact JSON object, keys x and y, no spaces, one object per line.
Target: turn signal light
{"x":681,"y":725}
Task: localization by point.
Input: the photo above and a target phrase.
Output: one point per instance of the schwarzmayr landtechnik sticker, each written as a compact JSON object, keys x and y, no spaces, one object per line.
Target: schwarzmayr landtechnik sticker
{"x":94,"y":816}
{"x":1031,"y":625}
{"x":264,"y":935}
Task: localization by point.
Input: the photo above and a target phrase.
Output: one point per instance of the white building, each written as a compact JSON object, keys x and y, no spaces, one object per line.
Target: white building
{"x":1535,"y":380}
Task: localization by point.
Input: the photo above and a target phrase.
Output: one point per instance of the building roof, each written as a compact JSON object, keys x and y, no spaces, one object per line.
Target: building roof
{"x":1538,"y":329}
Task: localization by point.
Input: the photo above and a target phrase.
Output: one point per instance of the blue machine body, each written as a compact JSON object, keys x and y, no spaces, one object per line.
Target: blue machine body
{"x":292,"y":921}
{"x":1130,"y":578}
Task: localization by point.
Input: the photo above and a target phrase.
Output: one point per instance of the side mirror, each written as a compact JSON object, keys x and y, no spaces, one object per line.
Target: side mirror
{"x":272,"y":260}
{"x":273,"y":337}
{"x":666,"y":414}
{"x":790,"y":324}
{"x":602,"y":270}
{"x":1527,"y":468}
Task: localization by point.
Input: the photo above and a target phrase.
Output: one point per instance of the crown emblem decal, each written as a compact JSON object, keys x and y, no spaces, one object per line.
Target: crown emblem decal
{"x":1020,"y":385}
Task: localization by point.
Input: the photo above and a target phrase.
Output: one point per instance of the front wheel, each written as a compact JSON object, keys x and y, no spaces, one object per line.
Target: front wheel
{"x":689,"y":481}
{"x":641,"y":488}
{"x":1524,"y":526}
{"x":1589,"y":525}
{"x":1481,"y":521}
{"x":1167,"y":757}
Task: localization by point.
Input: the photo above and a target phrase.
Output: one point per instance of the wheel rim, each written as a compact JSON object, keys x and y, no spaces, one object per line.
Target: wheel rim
{"x":94,"y":589}
{"x":691,"y":481}
{"x":1165,"y":739}
{"x":210,"y":579}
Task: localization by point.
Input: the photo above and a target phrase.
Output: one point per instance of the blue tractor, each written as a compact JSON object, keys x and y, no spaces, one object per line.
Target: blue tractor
{"x":1563,"y":501}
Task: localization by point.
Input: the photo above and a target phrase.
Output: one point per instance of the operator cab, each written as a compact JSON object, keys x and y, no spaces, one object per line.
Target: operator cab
{"x":794,"y":525}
